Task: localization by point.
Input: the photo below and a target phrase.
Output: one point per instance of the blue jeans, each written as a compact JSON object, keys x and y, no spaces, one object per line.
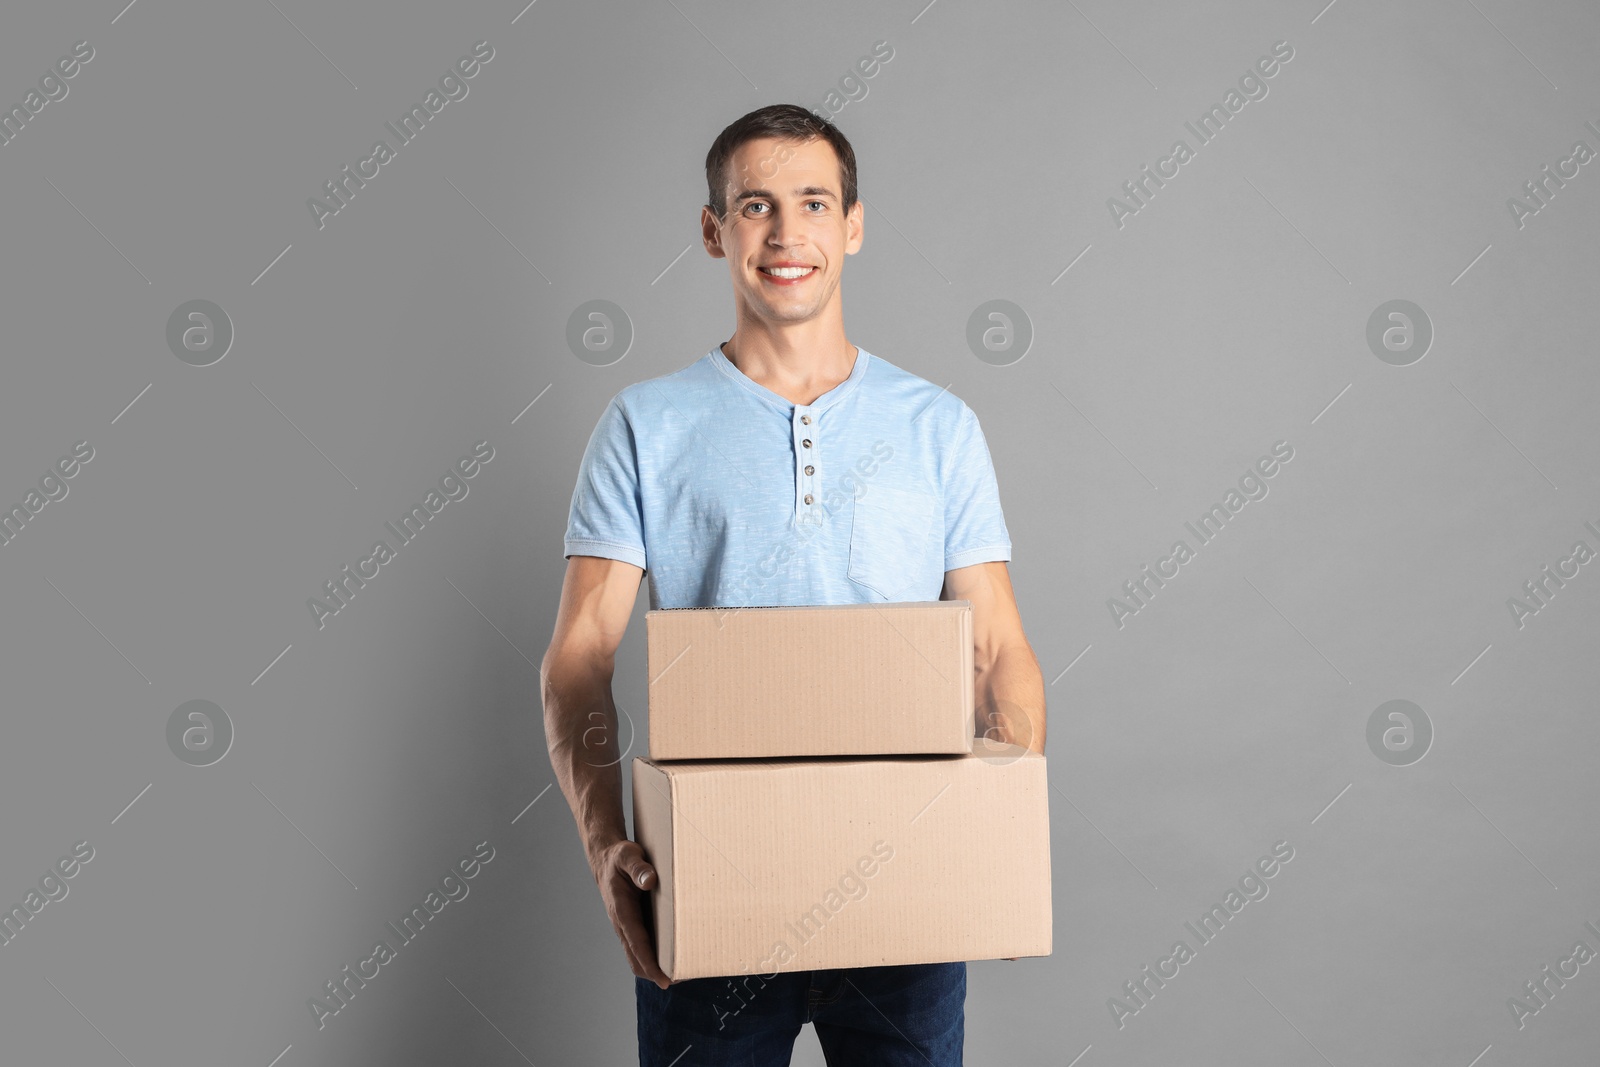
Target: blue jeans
{"x":905,"y":1016}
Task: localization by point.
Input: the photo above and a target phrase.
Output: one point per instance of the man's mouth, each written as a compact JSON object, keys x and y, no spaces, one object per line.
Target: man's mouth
{"x":784,"y":275}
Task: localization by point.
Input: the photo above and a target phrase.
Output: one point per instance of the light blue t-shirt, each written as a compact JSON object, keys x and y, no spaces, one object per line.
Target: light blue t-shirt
{"x":729,"y":495}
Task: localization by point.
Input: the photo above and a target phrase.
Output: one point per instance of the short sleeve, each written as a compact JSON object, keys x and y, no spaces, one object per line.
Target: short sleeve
{"x":974,"y":526}
{"x":605,"y":517}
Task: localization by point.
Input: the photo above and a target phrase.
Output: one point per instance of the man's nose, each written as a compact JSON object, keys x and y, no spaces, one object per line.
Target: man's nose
{"x":787,"y":231}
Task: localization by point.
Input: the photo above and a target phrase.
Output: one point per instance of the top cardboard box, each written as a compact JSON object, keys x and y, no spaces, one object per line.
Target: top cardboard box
{"x":826,"y":680}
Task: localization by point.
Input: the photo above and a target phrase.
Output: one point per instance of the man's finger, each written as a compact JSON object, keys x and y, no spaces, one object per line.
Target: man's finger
{"x":637,"y":940}
{"x":636,"y":963}
{"x":639,"y":871}
{"x":644,"y":968}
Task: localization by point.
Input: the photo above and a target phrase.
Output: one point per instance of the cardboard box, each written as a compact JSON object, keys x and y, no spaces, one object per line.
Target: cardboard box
{"x":836,"y":680}
{"x":770,"y":866}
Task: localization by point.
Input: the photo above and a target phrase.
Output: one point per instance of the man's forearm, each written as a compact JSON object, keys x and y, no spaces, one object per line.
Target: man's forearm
{"x":580,"y":724}
{"x":1010,"y":697}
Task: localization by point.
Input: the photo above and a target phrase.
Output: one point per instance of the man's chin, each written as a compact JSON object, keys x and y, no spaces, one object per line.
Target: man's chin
{"x":788,"y":314}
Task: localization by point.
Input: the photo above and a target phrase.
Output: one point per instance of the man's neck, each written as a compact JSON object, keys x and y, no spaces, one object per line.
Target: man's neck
{"x":799,"y":376}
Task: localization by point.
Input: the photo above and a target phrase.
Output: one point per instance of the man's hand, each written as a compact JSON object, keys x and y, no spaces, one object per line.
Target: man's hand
{"x":1002,"y":720}
{"x":597,"y":597}
{"x":1007,"y":683}
{"x":624,"y":876}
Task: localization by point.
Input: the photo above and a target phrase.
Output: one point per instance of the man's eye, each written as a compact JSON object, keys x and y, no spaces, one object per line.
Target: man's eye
{"x":819,"y":203}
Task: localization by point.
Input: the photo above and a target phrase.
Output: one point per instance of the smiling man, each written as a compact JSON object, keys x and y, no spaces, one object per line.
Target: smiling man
{"x":785,"y":466}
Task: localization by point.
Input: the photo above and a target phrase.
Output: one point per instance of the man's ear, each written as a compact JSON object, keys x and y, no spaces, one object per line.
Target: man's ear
{"x":711,"y":233}
{"x":854,"y":232}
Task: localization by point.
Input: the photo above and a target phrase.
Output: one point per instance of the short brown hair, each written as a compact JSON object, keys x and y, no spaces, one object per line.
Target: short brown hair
{"x":788,"y":122}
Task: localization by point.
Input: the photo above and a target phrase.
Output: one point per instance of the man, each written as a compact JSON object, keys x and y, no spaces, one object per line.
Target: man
{"x":785,"y":466}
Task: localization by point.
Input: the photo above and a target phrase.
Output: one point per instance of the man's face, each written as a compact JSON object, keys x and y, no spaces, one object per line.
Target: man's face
{"x":784,"y":208}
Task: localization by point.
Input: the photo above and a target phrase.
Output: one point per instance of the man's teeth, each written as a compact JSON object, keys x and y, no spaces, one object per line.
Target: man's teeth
{"x":787,"y":272}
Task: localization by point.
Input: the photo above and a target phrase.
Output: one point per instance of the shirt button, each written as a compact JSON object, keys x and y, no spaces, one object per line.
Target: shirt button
{"x":806,"y":419}
{"x":806,"y":442}
{"x":808,"y":498}
{"x":810,"y":470}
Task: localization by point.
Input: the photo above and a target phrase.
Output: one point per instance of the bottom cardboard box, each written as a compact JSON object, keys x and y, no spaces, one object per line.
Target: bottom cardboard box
{"x":804,"y":864}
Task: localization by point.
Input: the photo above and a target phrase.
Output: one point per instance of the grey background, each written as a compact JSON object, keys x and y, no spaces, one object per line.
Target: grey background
{"x":1228,"y":314}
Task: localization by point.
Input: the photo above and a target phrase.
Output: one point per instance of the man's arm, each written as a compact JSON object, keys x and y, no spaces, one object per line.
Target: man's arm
{"x":1009,"y":687}
{"x":580,"y":725}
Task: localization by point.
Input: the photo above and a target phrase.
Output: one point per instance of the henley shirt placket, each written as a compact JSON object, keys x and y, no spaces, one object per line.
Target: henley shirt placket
{"x":807,"y":498}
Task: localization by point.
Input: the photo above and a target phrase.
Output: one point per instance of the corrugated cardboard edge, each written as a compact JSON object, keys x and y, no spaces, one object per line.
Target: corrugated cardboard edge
{"x":1043,"y":776}
{"x":968,"y":653}
{"x":653,"y":830}
{"x":804,"y":607}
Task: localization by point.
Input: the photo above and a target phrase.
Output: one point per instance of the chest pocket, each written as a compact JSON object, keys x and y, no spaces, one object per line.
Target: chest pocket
{"x":889,"y":532}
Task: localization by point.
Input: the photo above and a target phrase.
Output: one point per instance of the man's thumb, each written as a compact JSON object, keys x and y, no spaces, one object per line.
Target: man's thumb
{"x":640,"y":872}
